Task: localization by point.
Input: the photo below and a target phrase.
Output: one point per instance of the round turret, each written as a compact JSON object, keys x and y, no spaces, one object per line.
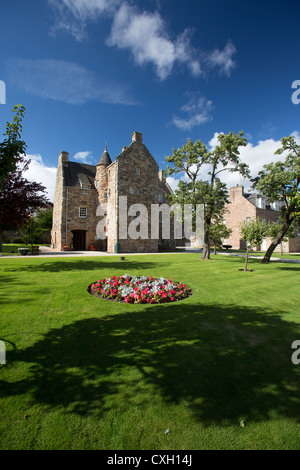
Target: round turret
{"x":105,"y":158}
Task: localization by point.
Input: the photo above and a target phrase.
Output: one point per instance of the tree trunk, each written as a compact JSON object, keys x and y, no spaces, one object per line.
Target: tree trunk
{"x":1,"y":238}
{"x":246,"y":259}
{"x":205,"y":251}
{"x":287,"y":223}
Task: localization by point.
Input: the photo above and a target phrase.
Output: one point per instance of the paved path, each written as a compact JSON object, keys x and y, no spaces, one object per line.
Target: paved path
{"x":46,"y":252}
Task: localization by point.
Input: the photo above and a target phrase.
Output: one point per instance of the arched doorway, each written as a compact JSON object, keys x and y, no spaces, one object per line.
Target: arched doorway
{"x":79,"y":240}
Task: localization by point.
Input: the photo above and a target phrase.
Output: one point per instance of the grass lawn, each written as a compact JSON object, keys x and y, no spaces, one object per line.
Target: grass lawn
{"x":214,"y":369}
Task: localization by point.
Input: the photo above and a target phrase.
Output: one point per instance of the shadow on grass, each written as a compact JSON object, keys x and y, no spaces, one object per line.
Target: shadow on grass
{"x":6,"y":298}
{"x":224,"y":363}
{"x":84,"y":265}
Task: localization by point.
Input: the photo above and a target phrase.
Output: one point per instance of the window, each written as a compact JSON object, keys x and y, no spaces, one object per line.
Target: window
{"x":261,"y":203}
{"x":161,"y":198}
{"x":275,"y":206}
{"x":131,"y":190}
{"x":85,"y":188}
{"x":138,"y":171}
{"x":248,"y":219}
{"x":83,"y":212}
{"x":97,"y":184}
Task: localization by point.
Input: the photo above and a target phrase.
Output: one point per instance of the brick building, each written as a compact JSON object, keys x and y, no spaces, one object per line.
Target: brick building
{"x":85,"y":194}
{"x":243,"y":206}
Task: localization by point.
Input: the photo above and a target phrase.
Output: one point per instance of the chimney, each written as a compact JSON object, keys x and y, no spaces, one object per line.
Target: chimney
{"x":162,"y":175}
{"x":63,"y":158}
{"x":137,"y":137}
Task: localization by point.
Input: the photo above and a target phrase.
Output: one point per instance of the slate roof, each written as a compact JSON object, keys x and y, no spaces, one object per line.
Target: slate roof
{"x":77,"y":174}
{"x":105,"y":158}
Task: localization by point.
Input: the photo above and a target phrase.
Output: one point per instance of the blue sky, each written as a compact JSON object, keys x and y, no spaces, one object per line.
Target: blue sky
{"x":94,"y":71}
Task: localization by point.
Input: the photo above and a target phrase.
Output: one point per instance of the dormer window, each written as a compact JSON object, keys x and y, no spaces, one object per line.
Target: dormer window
{"x":275,"y":206}
{"x":261,"y":203}
{"x":85,"y":188}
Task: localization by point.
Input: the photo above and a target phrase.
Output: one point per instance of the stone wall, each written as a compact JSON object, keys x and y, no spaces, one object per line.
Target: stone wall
{"x":58,"y":207}
{"x":75,"y":198}
{"x":238,"y":209}
{"x":138,"y":181}
{"x":133,"y":175}
{"x":112,"y":206}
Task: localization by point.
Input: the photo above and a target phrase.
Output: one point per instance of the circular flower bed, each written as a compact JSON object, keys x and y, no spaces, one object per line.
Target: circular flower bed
{"x":140,"y":290}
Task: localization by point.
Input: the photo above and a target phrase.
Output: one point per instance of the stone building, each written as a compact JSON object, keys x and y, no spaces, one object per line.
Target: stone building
{"x":89,"y":201}
{"x":245,"y":206}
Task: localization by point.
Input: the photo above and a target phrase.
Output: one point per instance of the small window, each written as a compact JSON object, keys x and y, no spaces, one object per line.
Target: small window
{"x":138,"y":171}
{"x":97,"y":184}
{"x":83,"y":212}
{"x":248,"y":220}
{"x":261,"y":203}
{"x":161,"y":198}
{"x":131,"y":190}
{"x":275,"y":206}
{"x":85,"y":188}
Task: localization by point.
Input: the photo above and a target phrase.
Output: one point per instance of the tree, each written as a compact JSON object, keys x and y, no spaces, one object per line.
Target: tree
{"x":275,"y":227}
{"x":211,"y":192}
{"x":29,"y":232}
{"x":19,"y":198}
{"x":44,"y":220}
{"x":218,"y":232}
{"x":253,"y":232}
{"x":12,"y":148}
{"x":280,"y":181}
{"x":35,"y":226}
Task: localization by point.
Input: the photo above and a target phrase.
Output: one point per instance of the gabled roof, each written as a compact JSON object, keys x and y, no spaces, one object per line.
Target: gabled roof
{"x":76,"y":174}
{"x":127,"y":150}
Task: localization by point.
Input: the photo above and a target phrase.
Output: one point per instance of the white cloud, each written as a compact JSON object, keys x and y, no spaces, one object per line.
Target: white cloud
{"x":83,"y":157}
{"x":197,"y":111}
{"x":254,"y":155}
{"x":223,"y":59}
{"x":144,"y":35}
{"x":41,"y":173}
{"x":65,"y":81}
{"x":73,"y":15}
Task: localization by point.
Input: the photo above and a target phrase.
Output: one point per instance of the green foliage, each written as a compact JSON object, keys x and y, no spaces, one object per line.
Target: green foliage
{"x":44,"y":219}
{"x":12,"y":147}
{"x":30,"y":231}
{"x":34,"y":227}
{"x":191,"y":159}
{"x":218,"y":232}
{"x":254,"y":231}
{"x":280,"y":181}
